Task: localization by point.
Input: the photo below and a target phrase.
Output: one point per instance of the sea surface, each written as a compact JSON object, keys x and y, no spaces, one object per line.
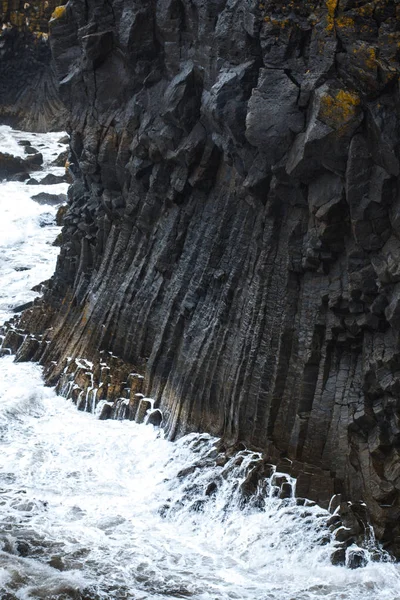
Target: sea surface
{"x":98,"y":510}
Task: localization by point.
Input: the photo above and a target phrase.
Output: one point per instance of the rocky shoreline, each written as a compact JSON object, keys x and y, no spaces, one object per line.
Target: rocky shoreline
{"x":232,"y":232}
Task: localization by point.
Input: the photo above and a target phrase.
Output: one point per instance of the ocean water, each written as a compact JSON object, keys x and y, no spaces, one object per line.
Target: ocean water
{"x":98,"y":510}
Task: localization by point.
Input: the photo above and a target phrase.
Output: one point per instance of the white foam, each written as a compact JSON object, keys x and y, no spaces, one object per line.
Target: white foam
{"x":27,"y":256}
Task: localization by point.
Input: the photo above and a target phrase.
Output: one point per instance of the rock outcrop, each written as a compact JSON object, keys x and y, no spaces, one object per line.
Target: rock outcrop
{"x":233,"y":229}
{"x":29,"y":96}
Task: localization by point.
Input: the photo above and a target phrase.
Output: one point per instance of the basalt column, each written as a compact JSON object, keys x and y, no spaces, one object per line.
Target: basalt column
{"x":233,"y":228}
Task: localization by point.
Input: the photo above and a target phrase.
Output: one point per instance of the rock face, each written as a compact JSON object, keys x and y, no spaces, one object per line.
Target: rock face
{"x":29,"y":96}
{"x":233,"y":227}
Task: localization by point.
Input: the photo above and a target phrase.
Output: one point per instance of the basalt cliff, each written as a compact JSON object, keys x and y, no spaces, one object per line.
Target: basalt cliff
{"x":29,"y":96}
{"x":233,"y":229}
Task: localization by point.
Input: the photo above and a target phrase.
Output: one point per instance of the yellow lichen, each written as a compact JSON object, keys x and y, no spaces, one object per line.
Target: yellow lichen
{"x":344,"y":22}
{"x":339,"y":108}
{"x":58,"y":12}
{"x":331,"y":6}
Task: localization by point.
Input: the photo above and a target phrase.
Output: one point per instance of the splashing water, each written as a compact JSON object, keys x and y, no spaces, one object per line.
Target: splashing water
{"x":98,"y":510}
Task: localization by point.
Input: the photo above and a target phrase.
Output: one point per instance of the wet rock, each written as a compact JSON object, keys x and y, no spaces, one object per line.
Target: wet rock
{"x":211,"y":489}
{"x":344,"y":534}
{"x":356,"y":559}
{"x":11,"y":166}
{"x":56,"y":562}
{"x":53,"y":199}
{"x":30,"y":150}
{"x":23,"y":548}
{"x":338,"y":557}
{"x":20,"y":177}
{"x":35,"y":161}
{"x":28,"y":349}
{"x":22,"y":307}
{"x":64,"y":139}
{"x":334,"y":521}
{"x":155,"y":418}
{"x":106,"y":412}
{"x":58,"y":241}
{"x":51,"y":179}
{"x":144,"y":406}
{"x":61,"y":159}
{"x":32,"y":181}
{"x":13,"y":340}
{"x":286,"y":491}
{"x":186,"y":471}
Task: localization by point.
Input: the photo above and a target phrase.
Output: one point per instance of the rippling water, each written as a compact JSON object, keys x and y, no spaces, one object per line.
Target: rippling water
{"x":96,"y":510}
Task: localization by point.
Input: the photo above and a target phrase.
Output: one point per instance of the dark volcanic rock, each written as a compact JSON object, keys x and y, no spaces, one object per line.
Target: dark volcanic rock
{"x":45,"y":198}
{"x":51,"y":179}
{"x":61,"y":159}
{"x":18,"y":177}
{"x":12,"y":167}
{"x":34,"y":161}
{"x":30,"y":150}
{"x":233,"y":226}
{"x":29,"y":97}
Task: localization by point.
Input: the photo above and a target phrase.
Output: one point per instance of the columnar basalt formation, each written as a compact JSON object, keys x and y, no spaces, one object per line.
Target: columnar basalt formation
{"x":29,"y":96}
{"x":233,"y":227}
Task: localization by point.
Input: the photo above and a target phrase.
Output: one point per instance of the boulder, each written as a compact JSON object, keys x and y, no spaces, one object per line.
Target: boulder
{"x":51,"y":179}
{"x":53,"y":199}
